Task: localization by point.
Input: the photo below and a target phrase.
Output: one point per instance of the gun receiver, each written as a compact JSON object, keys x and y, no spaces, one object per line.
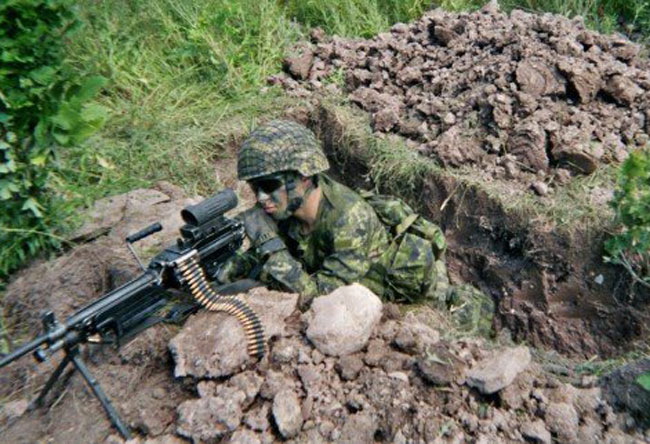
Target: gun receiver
{"x":208,"y":238}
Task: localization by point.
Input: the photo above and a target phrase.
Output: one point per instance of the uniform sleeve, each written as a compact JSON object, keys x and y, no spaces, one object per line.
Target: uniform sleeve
{"x":239,"y":266}
{"x":353,"y":239}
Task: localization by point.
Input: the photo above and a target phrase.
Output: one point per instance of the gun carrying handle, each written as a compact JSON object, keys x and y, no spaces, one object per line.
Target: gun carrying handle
{"x":151,"y":229}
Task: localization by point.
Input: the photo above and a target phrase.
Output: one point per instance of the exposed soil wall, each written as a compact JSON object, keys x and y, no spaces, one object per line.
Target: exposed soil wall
{"x":551,"y":285}
{"x":529,"y":102}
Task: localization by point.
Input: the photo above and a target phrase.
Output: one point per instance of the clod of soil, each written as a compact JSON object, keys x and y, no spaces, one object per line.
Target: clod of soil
{"x":480,"y":88}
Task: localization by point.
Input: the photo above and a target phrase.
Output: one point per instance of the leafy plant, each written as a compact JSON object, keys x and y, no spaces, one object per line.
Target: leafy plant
{"x":42,"y":106}
{"x":630,"y":247}
{"x":644,"y":381}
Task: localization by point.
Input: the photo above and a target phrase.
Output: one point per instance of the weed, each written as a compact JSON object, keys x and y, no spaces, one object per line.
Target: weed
{"x":630,"y":245}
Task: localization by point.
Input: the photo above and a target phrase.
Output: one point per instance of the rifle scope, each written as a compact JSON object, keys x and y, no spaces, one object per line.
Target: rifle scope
{"x":210,"y":208}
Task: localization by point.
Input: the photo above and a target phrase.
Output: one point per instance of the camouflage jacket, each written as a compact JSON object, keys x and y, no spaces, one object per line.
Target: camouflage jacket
{"x":348,"y":244}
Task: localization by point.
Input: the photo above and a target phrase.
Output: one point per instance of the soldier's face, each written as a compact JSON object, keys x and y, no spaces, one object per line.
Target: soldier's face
{"x":271,"y":194}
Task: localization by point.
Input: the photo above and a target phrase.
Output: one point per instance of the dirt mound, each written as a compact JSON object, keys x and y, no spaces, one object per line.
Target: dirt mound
{"x":404,"y":385}
{"x":526,"y":98}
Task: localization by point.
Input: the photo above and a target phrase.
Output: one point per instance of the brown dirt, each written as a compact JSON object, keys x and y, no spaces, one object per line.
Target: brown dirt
{"x":391,"y":391}
{"x":523,"y":97}
{"x":526,"y":100}
{"x":527,"y":104}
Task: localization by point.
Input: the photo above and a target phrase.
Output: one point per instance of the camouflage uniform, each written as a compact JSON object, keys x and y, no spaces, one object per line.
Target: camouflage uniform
{"x":348,"y":243}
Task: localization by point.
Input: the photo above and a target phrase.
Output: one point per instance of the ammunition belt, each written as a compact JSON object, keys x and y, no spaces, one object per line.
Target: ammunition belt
{"x":195,"y":279}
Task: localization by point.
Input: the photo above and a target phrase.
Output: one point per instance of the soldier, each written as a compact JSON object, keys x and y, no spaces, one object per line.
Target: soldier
{"x":310,"y":234}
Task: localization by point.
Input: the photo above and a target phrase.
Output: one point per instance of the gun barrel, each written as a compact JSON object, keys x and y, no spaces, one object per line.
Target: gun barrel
{"x":23,"y":350}
{"x":112,"y":299}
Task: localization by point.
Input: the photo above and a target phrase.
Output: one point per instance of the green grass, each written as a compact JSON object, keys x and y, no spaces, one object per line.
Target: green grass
{"x":184,"y":74}
{"x":631,"y":17}
{"x":180,"y":71}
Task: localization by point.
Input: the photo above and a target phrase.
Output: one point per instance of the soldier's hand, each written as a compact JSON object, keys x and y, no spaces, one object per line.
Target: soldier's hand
{"x":261,"y":230}
{"x":228,"y":271}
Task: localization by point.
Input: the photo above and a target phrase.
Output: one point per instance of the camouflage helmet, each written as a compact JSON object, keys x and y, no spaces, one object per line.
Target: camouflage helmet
{"x":280,"y":145}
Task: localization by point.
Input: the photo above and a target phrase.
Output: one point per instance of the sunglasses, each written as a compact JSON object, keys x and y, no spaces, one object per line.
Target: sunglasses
{"x":267,"y":185}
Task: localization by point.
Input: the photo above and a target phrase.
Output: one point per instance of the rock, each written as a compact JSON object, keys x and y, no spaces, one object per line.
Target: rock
{"x":572,"y":147}
{"x":12,"y":410}
{"x":583,"y":77}
{"x":349,"y":366}
{"x":516,"y":395}
{"x":449,"y":119}
{"x":310,"y":377}
{"x":287,"y":413}
{"x":400,"y":376}
{"x":455,"y":148}
{"x":249,"y":383}
{"x":213,"y":345}
{"x":208,"y":418}
{"x":537,"y":78}
{"x":258,"y":418}
{"x":341,"y":322}
{"x":300,"y":64}
{"x":273,"y":308}
{"x":165,"y":439}
{"x":528,"y":144}
{"x":285,"y":351}
{"x":359,"y":428}
{"x":621,"y":389}
{"x":244,"y":437}
{"x":122,"y":215}
{"x":622,"y":89}
{"x":415,"y":337}
{"x":439,"y":366}
{"x":113,"y":439}
{"x":377,"y":353}
{"x":385,"y":120}
{"x":274,"y":383}
{"x":562,"y":419}
{"x":536,"y":432}
{"x":540,"y":188}
{"x":493,"y":374}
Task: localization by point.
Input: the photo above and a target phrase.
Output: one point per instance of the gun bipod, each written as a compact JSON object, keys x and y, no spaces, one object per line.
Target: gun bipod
{"x":72,"y":355}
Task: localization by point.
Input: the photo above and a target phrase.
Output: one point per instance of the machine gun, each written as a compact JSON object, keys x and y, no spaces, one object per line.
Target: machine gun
{"x":207,"y":239}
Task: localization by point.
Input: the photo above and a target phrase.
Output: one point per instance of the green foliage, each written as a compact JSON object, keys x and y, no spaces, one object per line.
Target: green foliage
{"x":644,"y":381}
{"x":354,"y":18}
{"x":179,"y":72}
{"x":42,"y":106}
{"x":630,"y":247}
{"x":628,"y":16}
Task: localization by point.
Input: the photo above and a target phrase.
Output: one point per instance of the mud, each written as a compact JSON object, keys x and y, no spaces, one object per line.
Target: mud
{"x":522,"y":97}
